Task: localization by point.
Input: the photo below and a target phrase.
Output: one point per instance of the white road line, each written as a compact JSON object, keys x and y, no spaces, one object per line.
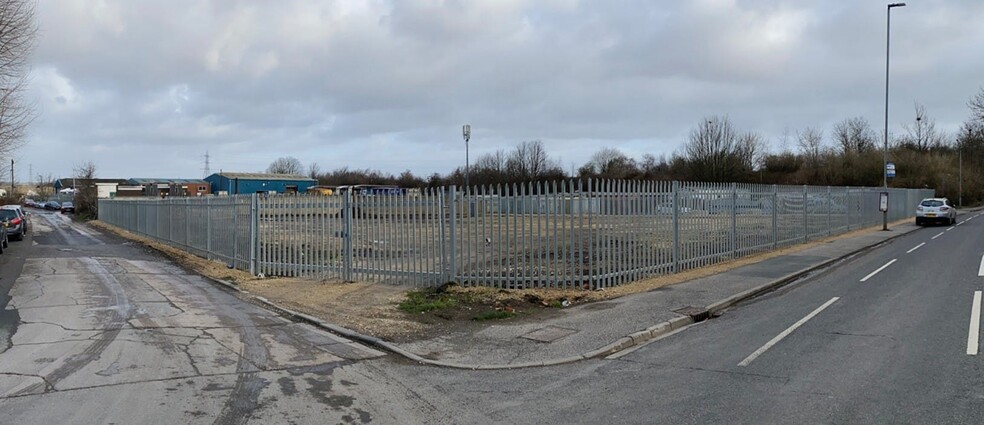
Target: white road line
{"x":785,"y":333}
{"x":934,"y":237}
{"x":975,"y":325}
{"x":980,"y":270}
{"x":879,"y":269}
{"x":916,"y":247}
{"x":951,"y":228}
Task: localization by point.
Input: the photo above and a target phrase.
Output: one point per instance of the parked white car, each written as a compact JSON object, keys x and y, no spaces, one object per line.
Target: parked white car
{"x":935,"y":210}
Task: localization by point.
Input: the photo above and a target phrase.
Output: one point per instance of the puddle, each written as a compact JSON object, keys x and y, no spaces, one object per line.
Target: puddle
{"x":8,"y":325}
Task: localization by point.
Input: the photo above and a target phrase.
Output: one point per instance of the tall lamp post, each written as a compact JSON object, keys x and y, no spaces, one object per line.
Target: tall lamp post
{"x":466,"y":133}
{"x":960,"y":175}
{"x":888,"y":38}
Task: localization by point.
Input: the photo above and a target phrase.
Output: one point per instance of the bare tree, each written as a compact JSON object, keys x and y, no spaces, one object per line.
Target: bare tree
{"x":314,"y":171}
{"x":529,"y":161}
{"x":922,"y":135}
{"x":810,"y":141}
{"x":86,"y":195}
{"x":286,"y":165}
{"x":495,"y":162}
{"x":18,"y":33}
{"x":716,"y":151}
{"x":610,"y":163}
{"x":408,"y":180}
{"x":855,"y":135}
{"x":45,"y":184}
{"x":976,"y":105}
{"x":653,"y":168}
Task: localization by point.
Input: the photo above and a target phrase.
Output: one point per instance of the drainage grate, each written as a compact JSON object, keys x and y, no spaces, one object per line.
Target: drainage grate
{"x":697,"y":313}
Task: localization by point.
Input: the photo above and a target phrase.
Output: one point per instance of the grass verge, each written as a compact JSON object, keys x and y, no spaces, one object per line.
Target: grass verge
{"x":425,"y":300}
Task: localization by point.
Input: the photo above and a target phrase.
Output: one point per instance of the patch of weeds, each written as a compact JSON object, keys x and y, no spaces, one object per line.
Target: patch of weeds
{"x":494,"y":315}
{"x":423,"y":301}
{"x":556,"y":304}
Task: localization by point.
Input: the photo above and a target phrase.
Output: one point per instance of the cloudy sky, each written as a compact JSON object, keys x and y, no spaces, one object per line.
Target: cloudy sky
{"x":145,"y":88}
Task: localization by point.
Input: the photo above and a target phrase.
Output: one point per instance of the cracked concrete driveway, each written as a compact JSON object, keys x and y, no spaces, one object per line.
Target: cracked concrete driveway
{"x":101,"y":331}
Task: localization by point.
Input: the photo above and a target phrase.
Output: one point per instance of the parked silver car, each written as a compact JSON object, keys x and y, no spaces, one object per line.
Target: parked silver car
{"x":15,"y":220}
{"x":935,"y":210}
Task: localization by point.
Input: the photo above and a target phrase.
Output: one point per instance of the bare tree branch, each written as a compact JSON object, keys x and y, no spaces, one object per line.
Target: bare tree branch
{"x":286,"y":165}
{"x":18,"y":33}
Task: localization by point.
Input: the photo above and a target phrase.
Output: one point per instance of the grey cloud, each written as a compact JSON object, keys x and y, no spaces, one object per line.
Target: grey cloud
{"x":325,"y":81}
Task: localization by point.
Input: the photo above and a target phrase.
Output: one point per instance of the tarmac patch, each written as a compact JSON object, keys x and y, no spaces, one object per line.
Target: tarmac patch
{"x":549,"y":334}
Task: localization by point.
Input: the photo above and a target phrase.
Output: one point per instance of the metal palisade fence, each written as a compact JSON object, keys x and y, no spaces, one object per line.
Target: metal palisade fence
{"x":570,"y":234}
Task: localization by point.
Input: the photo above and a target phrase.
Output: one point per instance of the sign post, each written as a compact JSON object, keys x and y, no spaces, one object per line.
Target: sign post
{"x":883,"y":207}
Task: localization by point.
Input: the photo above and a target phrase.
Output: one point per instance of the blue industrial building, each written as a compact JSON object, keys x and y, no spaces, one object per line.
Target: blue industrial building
{"x":223,"y":183}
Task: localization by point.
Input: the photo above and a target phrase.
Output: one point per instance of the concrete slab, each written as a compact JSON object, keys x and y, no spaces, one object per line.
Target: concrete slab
{"x":549,"y":334}
{"x":781,"y":267}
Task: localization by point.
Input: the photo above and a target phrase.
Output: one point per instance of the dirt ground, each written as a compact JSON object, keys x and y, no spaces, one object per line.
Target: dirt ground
{"x":373,"y":308}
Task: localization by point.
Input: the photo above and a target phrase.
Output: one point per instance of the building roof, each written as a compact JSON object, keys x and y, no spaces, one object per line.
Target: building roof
{"x":68,"y":182}
{"x":141,"y":180}
{"x":264,"y":176}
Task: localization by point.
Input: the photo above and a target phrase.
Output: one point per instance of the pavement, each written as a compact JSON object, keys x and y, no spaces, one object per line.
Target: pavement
{"x":614,"y":327}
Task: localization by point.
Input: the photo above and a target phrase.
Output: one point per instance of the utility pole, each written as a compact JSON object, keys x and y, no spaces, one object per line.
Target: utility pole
{"x":11,"y":177}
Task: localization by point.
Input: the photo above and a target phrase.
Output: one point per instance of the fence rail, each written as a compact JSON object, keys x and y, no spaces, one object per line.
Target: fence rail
{"x":569,"y":234}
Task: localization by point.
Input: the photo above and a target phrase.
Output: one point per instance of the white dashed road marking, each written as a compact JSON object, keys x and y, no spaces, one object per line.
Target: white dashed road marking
{"x":785,"y":333}
{"x":879,"y":269}
{"x":975,"y":325}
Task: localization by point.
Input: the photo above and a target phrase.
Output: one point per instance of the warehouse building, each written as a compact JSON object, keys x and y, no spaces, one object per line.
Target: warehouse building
{"x":224,"y":183}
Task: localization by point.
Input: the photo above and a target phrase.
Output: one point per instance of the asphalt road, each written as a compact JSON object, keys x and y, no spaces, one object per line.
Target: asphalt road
{"x":104,"y":331}
{"x":830,"y":348}
{"x":108,"y":332}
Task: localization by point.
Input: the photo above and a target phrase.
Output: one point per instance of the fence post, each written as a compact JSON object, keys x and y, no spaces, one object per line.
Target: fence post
{"x":830,"y":206}
{"x":806,"y":214}
{"x":734,"y":220}
{"x":775,"y":216}
{"x":187,"y":219}
{"x":254,"y":232}
{"x":676,"y":226}
{"x":452,"y":250}
{"x":347,"y":235}
{"x":591,"y":238}
{"x":170,"y":221}
{"x":208,"y":228}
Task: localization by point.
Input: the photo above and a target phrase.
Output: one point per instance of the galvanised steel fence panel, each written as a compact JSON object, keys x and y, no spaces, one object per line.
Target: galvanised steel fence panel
{"x":585,"y":234}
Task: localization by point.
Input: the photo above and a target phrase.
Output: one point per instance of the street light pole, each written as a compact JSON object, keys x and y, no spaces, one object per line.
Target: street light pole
{"x":466,"y":133}
{"x":960,"y":175}
{"x":888,"y":39}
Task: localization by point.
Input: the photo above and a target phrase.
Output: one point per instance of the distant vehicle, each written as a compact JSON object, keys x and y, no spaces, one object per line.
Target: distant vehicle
{"x":67,"y":207}
{"x":371,"y":189}
{"x":52,"y":205}
{"x":14,"y":222}
{"x":322,"y":190}
{"x":30,"y":203}
{"x":935,"y":210}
